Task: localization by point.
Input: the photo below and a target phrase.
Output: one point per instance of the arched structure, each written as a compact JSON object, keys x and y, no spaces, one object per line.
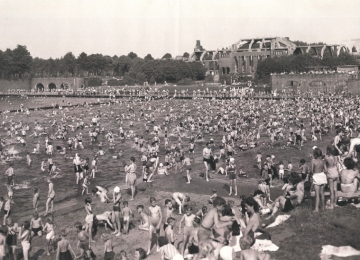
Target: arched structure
{"x":57,"y":83}
{"x":51,"y":86}
{"x":39,"y":87}
{"x":320,"y":50}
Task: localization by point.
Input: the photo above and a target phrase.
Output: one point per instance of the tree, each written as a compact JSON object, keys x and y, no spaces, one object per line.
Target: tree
{"x":167,"y":56}
{"x":69,"y":62}
{"x":21,"y":60}
{"x":186,"y":55}
{"x":82,"y":61}
{"x":136,"y":67}
{"x":148,"y":58}
{"x":122,"y":65}
{"x":140,"y":78}
{"x":132,"y":55}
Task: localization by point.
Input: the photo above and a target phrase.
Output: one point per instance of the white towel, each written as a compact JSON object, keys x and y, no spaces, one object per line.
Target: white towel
{"x":356,"y":205}
{"x":279,"y":219}
{"x":342,"y":251}
{"x":264,"y":245}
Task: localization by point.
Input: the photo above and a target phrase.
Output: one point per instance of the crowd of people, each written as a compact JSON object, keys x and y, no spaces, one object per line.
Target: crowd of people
{"x":173,"y":133}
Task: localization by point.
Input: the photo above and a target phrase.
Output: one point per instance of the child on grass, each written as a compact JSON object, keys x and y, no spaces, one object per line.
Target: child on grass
{"x":85,"y":185}
{"x":126,"y":213}
{"x":108,"y":247}
{"x":36,"y":199}
{"x":49,"y":228}
{"x":144,"y":222}
{"x":188,"y":219}
{"x":250,"y":254}
{"x":169,"y":231}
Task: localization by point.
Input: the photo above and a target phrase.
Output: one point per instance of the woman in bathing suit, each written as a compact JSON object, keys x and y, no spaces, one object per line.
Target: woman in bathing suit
{"x":131,"y":176}
{"x":51,"y":196}
{"x":89,"y":218}
{"x":25,"y":236}
{"x":332,"y":173}
{"x":319,"y":178}
{"x":11,"y":239}
{"x":155,"y":219}
{"x":116,"y":211}
{"x":231,"y":171}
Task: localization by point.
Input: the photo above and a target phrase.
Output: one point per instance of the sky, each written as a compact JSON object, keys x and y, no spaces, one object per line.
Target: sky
{"x":51,"y":28}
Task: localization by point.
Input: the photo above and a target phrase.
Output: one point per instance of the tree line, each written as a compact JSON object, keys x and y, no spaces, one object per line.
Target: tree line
{"x":18,"y":63}
{"x":300,"y":63}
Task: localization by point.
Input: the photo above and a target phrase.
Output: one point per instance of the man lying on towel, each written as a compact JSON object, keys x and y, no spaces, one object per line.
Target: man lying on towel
{"x":292,"y":198}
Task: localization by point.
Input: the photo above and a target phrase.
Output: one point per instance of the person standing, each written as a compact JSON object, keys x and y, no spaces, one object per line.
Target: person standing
{"x":207,"y":159}
{"x":11,"y":175}
{"x":50,"y":197}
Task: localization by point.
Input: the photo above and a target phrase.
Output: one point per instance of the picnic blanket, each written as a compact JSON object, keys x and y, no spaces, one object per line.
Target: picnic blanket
{"x":342,"y":251}
{"x":279,"y":219}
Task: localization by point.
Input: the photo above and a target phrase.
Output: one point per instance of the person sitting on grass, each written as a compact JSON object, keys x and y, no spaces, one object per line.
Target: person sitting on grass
{"x":249,"y":254}
{"x":292,"y":198}
{"x":349,"y":177}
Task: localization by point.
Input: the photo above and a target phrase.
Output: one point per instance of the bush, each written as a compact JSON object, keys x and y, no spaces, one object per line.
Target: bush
{"x":114,"y":82}
{"x":209,"y":78}
{"x":185,"y":81}
{"x":94,"y":82}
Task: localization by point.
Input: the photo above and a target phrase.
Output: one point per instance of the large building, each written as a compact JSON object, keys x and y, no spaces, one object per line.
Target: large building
{"x":243,"y":56}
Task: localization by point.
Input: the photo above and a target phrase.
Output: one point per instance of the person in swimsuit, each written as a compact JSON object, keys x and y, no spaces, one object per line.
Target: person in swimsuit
{"x":131,"y":176}
{"x":180,"y":200}
{"x":2,"y":242}
{"x":144,"y":222}
{"x":25,"y":237}
{"x":126,"y":213}
{"x":89,"y":219}
{"x":211,"y":220}
{"x":11,"y":239}
{"x":319,"y":178}
{"x":155,"y":220}
{"x":11,"y":175}
{"x":207,"y":159}
{"x":188,"y":219}
{"x":231,"y":171}
{"x":349,"y":177}
{"x":108,"y":247}
{"x":332,"y":173}
{"x":187,"y":163}
{"x":64,"y":249}
{"x":83,"y":241}
{"x":50,"y":197}
{"x":116,"y":211}
{"x":252,"y":209}
{"x":36,"y":225}
{"x":49,"y":228}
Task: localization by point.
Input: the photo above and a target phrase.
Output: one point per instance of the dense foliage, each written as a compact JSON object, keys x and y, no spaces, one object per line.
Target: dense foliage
{"x":299,"y":63}
{"x":130,"y":68}
{"x":15,"y":63}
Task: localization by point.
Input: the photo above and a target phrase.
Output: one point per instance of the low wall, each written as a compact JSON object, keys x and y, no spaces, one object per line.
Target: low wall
{"x":5,"y":85}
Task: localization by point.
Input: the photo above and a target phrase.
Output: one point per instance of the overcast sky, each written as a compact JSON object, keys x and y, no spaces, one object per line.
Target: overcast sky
{"x":51,"y":28}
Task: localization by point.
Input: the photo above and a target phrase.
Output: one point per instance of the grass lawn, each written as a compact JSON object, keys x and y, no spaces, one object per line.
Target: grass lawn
{"x":300,"y":237}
